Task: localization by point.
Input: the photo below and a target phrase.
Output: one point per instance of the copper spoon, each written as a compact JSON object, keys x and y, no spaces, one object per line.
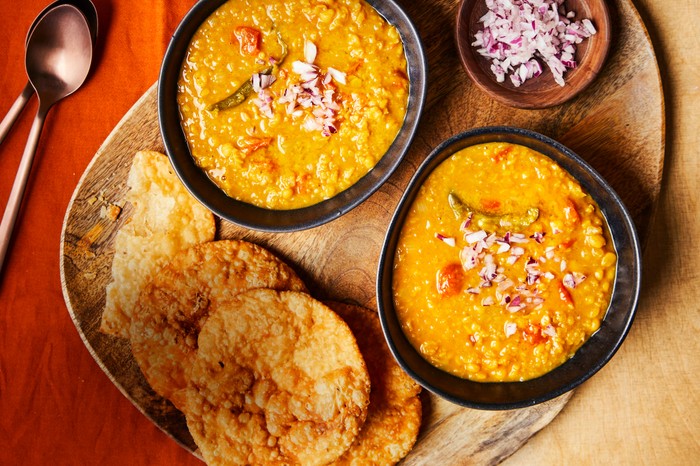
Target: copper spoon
{"x":58,"y":58}
{"x":88,"y":9}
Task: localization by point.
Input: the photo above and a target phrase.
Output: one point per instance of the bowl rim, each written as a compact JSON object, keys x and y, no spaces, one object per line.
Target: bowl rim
{"x":513,"y":96}
{"x":621,"y":310}
{"x":285,"y":220}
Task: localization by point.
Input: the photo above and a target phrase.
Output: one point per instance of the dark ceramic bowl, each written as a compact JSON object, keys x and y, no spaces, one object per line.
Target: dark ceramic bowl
{"x":591,"y":357}
{"x":542,"y":91}
{"x":258,"y":218}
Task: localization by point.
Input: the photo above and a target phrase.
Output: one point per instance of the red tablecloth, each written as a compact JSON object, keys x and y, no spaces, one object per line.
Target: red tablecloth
{"x":56,"y":405}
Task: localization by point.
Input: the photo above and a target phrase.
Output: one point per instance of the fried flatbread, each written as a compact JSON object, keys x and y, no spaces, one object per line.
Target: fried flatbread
{"x":395,"y":411}
{"x":173,"y":307}
{"x":166,"y":220}
{"x":278,"y":379}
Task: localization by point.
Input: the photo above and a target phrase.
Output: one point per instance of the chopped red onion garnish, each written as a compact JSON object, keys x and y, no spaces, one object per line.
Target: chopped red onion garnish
{"x":329,"y":129}
{"x":311,"y":124}
{"x":572,"y":280}
{"x":589,"y":26}
{"x":568,"y":281}
{"x":475,"y":237}
{"x":264,"y":103}
{"x":517,"y":238}
{"x":337,"y":75}
{"x":469,"y":257}
{"x":490,"y":240}
{"x":549,"y":252}
{"x":532,"y":268}
{"x":262,"y":81}
{"x":309,"y":51}
{"x":532,"y":278}
{"x":510,"y":328}
{"x":488,"y":272}
{"x":315,"y":92}
{"x":303,"y":68}
{"x":515,"y":304}
{"x":505,"y":284}
{"x":260,"y":84}
{"x":266,"y":80}
{"x":448,"y":240}
{"x":538,"y":236}
{"x":502,"y":247}
{"x":517,"y":34}
{"x":255,"y":81}
{"x":465,"y":224}
{"x":550,"y":331}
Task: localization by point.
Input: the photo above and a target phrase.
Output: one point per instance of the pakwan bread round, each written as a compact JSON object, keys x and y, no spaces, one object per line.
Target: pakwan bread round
{"x":166,"y":220}
{"x":395,"y":410}
{"x":278,"y":379}
{"x":173,"y":307}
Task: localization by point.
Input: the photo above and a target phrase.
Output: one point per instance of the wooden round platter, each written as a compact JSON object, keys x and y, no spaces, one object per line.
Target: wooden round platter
{"x":616,"y":124}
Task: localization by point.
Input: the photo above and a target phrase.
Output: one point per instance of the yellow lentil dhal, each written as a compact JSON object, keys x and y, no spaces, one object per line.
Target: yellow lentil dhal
{"x":504,"y":265}
{"x":282,"y":155}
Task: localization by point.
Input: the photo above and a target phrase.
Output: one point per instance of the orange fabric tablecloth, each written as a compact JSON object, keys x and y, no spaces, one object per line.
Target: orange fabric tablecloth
{"x":56,"y":405}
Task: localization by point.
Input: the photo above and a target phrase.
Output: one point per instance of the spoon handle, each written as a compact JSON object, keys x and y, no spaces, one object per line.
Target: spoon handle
{"x":15,"y":110}
{"x":15,"y":199}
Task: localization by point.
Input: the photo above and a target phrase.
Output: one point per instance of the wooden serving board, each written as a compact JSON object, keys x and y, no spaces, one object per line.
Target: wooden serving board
{"x":617,"y":125}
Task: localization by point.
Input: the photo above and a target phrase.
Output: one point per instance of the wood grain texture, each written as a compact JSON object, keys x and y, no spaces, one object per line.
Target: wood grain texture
{"x":617,"y":125}
{"x":643,"y":408}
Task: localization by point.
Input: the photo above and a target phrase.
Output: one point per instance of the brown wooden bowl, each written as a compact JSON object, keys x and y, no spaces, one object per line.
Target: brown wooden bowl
{"x":541,"y":91}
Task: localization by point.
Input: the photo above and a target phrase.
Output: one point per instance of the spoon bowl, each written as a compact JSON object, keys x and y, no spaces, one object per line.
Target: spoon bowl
{"x":86,"y":7}
{"x":90,"y":12}
{"x":59,"y":54}
{"x":58,"y":59}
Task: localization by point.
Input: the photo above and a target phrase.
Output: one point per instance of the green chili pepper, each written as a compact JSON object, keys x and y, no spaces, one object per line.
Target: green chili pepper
{"x":457,"y":206}
{"x":239,"y":95}
{"x":492,"y":221}
{"x":246,"y":89}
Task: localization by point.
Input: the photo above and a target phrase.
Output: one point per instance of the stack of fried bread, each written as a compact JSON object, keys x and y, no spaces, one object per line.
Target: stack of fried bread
{"x":264,"y":373}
